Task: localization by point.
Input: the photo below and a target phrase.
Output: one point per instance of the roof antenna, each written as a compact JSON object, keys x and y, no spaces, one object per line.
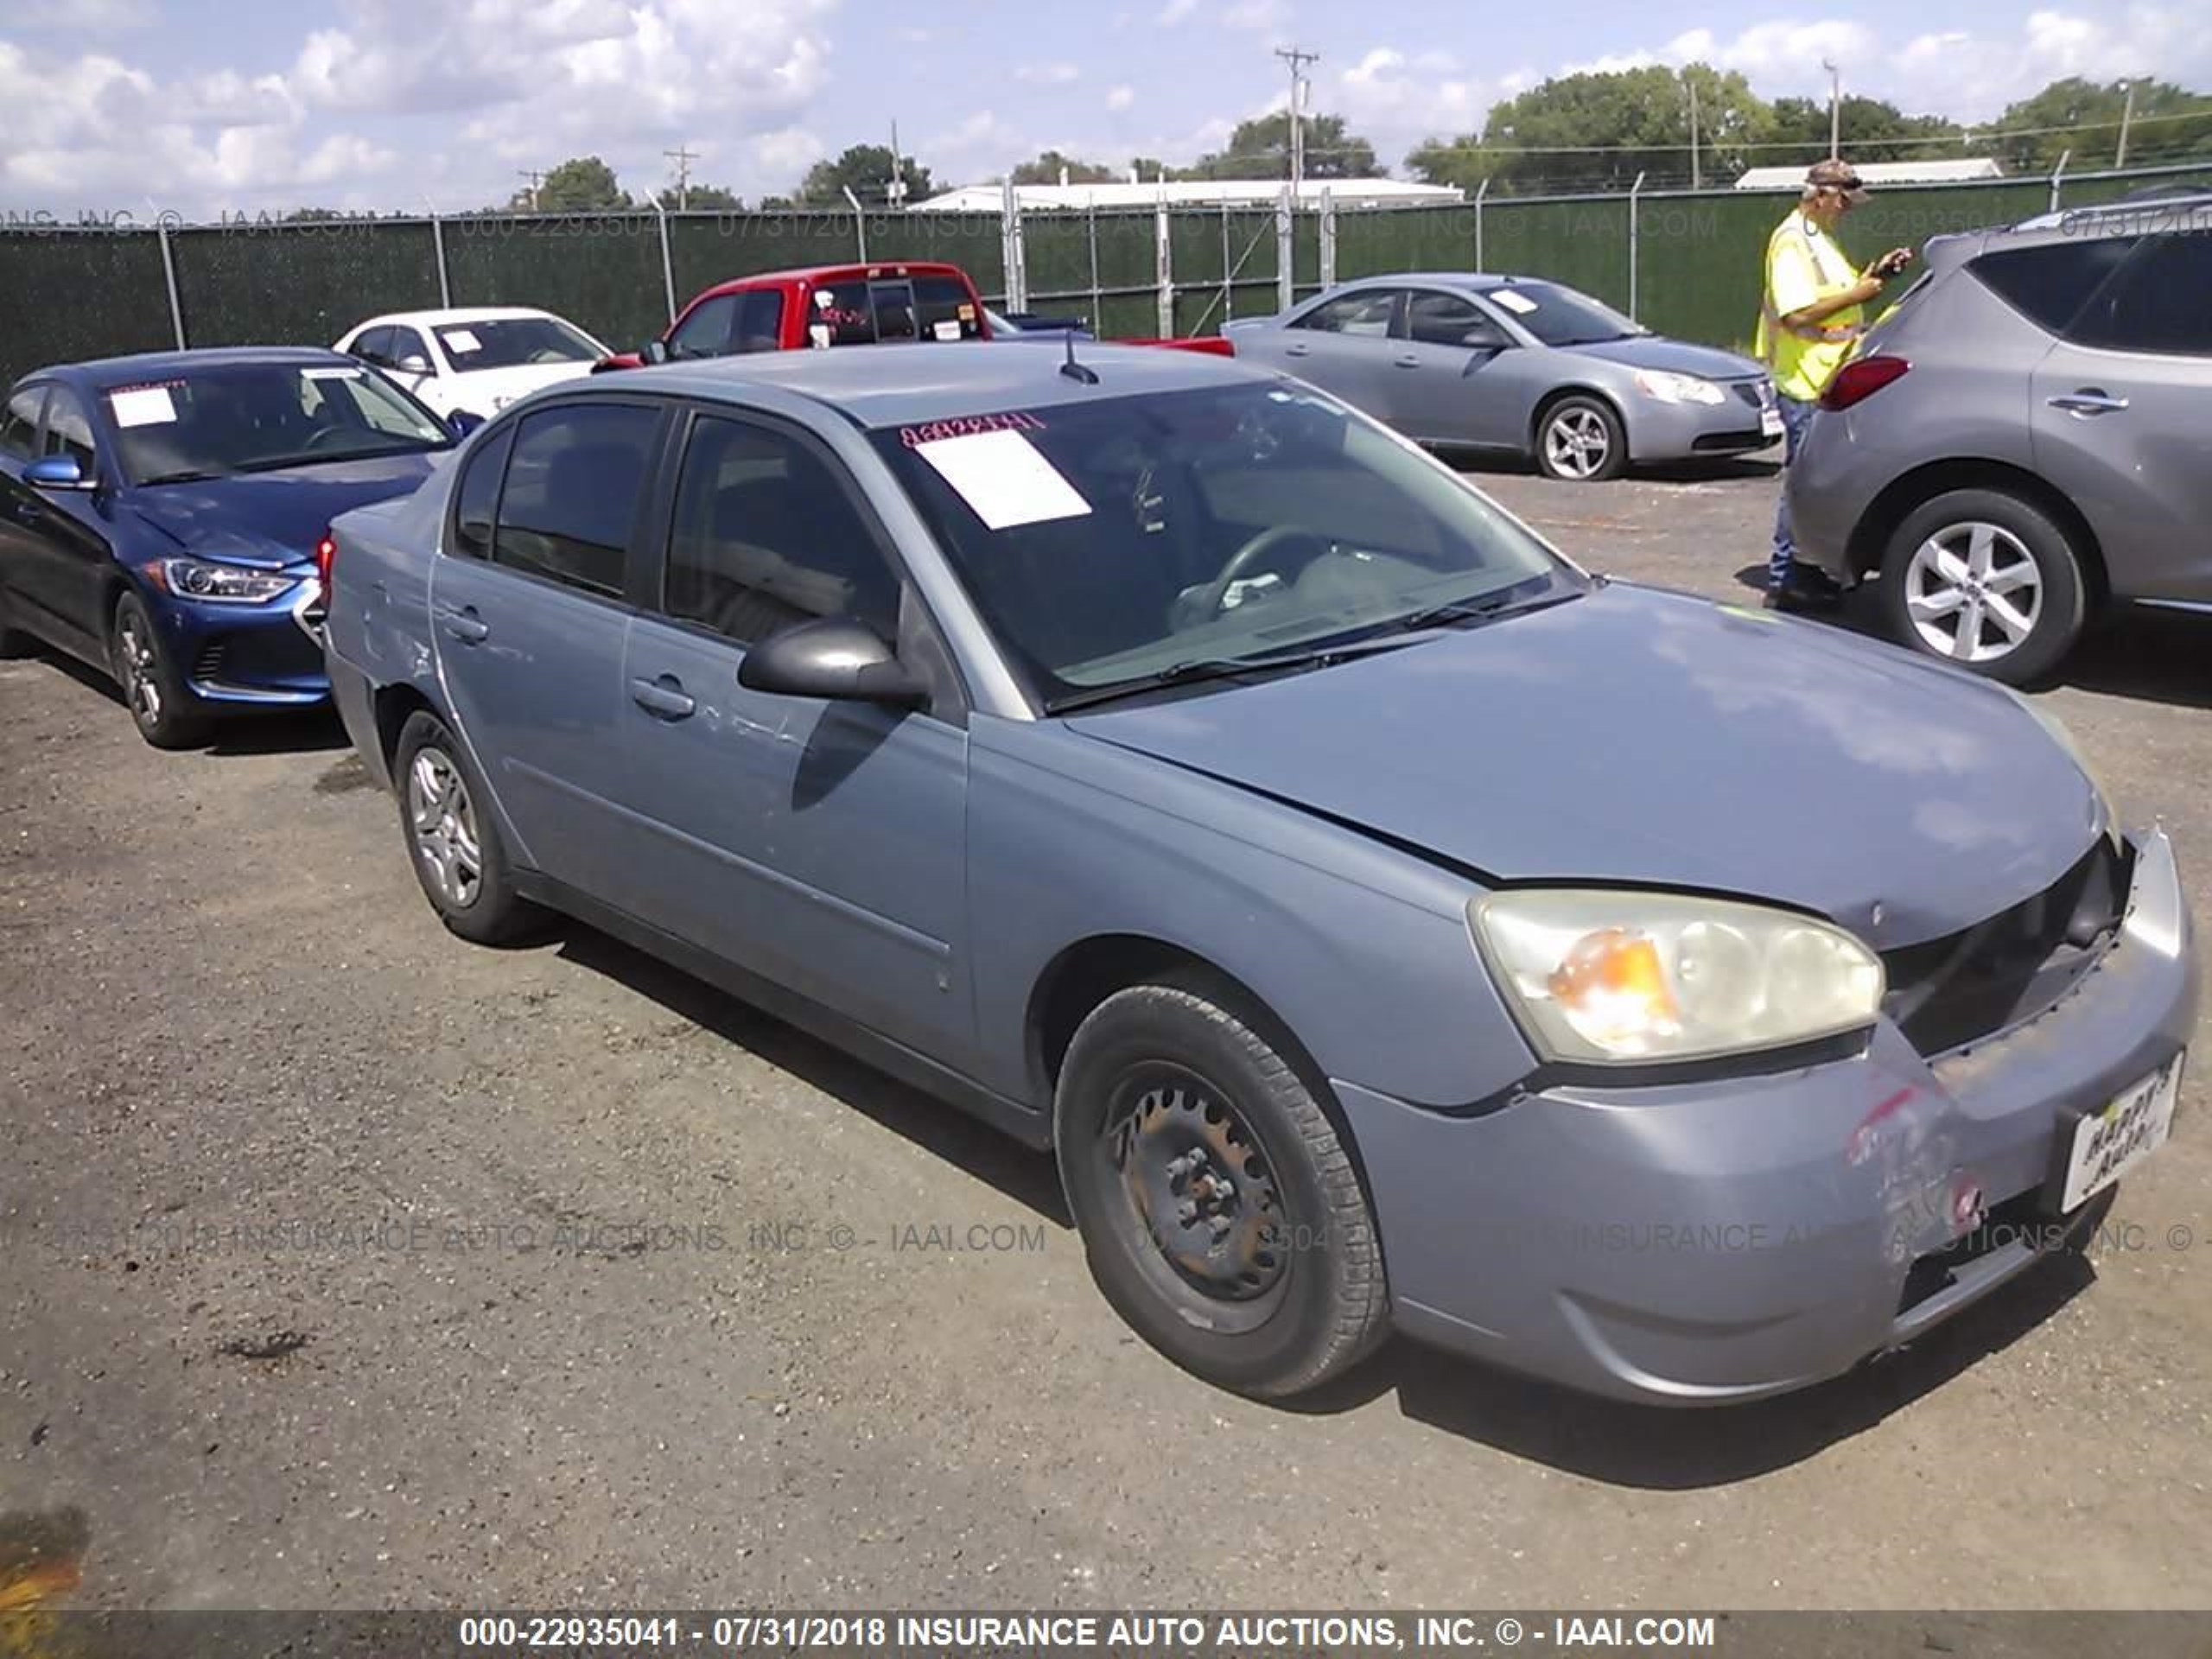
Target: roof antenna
{"x":1075,"y":370}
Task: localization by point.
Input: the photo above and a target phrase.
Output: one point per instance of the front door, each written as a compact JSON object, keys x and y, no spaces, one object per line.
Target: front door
{"x":819,"y":844}
{"x":1449,"y":383}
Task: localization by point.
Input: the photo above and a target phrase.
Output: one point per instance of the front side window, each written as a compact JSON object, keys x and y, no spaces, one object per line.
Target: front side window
{"x":571,"y":494}
{"x":373,"y":345}
{"x":765,"y":535}
{"x":260,"y":417}
{"x":514,"y":343}
{"x":1109,"y":541}
{"x":1436,"y":318}
{"x":69,"y":430}
{"x":19,"y":427}
{"x":1560,"y":317}
{"x":2160,"y":303}
{"x":406,"y":344}
{"x":476,"y":501}
{"x":704,"y":331}
{"x":759,"y":325}
{"x":1367,"y":313}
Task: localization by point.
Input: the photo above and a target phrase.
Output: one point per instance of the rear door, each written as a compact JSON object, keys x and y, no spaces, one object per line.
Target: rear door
{"x":1344,"y":346}
{"x":530,"y":611}
{"x":2122,"y":409}
{"x":820,"y":844}
{"x":19,"y":504}
{"x":1442,"y":390}
{"x":69,"y":533}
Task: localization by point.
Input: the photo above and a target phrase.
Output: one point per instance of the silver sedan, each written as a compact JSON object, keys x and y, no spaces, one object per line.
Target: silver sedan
{"x":1458,"y":359}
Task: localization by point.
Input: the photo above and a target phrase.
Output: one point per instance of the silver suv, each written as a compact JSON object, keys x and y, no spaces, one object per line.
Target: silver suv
{"x":2024,"y":438}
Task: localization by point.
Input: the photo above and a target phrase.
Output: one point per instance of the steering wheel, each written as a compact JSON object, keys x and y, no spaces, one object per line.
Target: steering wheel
{"x":323,"y":435}
{"x":1204,"y":604}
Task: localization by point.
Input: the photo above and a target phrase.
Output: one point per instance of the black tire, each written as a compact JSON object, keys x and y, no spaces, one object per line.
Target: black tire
{"x":14,"y":642}
{"x":1596,"y":423}
{"x":166,"y":714}
{"x":1294,"y":1291}
{"x":2019,"y":535}
{"x":485,"y":910}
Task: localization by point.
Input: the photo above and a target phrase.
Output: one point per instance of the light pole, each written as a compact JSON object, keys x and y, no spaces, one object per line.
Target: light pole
{"x":1690,"y":81}
{"x":2126,"y":116}
{"x":1835,"y":109}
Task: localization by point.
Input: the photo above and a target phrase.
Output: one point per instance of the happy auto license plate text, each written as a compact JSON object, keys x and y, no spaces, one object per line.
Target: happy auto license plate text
{"x":2107,"y":1144}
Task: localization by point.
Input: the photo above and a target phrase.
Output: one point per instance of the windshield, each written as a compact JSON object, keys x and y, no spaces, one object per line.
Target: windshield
{"x":1560,"y":317}
{"x":251,"y":417}
{"x":515,"y":343}
{"x":1109,"y":543}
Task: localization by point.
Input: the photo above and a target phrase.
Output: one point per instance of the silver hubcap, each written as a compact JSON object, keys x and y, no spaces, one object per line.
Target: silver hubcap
{"x":445,"y":827}
{"x":1576,"y":442}
{"x":1974,"y":593}
{"x":142,"y":686}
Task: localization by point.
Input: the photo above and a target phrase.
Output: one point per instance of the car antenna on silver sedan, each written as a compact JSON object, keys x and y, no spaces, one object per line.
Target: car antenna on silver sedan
{"x":1075,"y":370}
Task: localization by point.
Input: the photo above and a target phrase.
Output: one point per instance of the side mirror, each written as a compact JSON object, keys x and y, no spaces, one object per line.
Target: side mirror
{"x":1483,"y":340}
{"x":413,"y":363}
{"x":462,"y":421}
{"x":57,"y":473}
{"x":833,"y":657}
{"x":654,"y":351}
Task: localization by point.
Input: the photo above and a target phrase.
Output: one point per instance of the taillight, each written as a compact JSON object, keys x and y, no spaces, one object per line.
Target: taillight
{"x":325,"y":555}
{"x":1859,"y":380}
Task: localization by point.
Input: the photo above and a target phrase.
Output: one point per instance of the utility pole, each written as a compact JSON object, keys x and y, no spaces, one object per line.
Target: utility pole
{"x":1835,"y":109}
{"x":1297,"y":57}
{"x":2126,"y":116}
{"x":1690,"y":81}
{"x":682,"y":158}
{"x":536,"y":179}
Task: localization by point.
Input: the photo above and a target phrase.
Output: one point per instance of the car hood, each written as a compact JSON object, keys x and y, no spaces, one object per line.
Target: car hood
{"x":1677,"y":356}
{"x":274,"y":518}
{"x":487,"y":391}
{"x":1654,"y":739}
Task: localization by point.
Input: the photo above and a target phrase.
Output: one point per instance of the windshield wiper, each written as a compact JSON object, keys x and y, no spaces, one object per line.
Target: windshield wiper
{"x":1480,"y":610}
{"x":1195,"y":669}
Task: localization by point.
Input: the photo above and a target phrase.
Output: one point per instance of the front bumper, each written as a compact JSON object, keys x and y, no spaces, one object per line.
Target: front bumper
{"x":241,"y":655}
{"x":1702,"y":1244}
{"x":1662,"y":432}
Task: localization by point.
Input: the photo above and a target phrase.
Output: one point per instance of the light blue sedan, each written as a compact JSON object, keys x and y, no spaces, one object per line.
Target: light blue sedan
{"x":1388,"y":924}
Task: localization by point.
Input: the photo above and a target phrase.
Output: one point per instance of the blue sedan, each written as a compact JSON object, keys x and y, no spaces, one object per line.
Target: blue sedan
{"x":1389,"y":925}
{"x":160,"y":518}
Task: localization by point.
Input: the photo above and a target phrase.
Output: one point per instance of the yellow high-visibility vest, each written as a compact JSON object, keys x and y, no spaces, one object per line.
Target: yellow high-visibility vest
{"x":1803,"y":267}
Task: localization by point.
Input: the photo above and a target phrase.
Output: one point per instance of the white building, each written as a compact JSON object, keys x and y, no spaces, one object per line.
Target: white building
{"x":1877,"y":174}
{"x":1190,"y":192}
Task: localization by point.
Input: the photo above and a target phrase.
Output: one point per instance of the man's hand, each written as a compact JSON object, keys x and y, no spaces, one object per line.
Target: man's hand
{"x":1891,"y":262}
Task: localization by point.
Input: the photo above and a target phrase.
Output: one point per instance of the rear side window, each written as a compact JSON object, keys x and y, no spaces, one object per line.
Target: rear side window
{"x":704,"y":331}
{"x":841,"y":315}
{"x":573,"y":484}
{"x":477,"y":500}
{"x":2049,"y":284}
{"x":1365,"y":313}
{"x":2160,"y":302}
{"x":945,"y":310}
{"x":19,"y":427}
{"x":759,"y":325}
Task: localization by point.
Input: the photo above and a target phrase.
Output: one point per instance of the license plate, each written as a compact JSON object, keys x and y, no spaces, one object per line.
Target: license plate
{"x":2109,"y":1143}
{"x":1770,"y":422}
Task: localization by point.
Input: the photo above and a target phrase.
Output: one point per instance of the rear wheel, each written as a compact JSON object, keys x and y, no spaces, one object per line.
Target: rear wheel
{"x":14,"y":642}
{"x":1580,"y":439}
{"x":1217,"y":1201}
{"x":166,"y":714}
{"x":1988,"y":580}
{"x":453,"y":845}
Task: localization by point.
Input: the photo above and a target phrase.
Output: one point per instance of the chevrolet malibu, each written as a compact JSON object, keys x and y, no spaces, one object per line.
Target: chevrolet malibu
{"x":1388,"y":924}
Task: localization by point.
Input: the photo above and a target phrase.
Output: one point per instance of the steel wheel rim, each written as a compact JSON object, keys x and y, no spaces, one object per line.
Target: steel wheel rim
{"x":142,"y":688}
{"x":1974,"y":593}
{"x":1201,"y":1189}
{"x":443,"y":820}
{"x":1576,"y":441}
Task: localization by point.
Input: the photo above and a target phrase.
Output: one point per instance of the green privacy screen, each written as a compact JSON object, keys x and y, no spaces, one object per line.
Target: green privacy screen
{"x":1692,"y":267}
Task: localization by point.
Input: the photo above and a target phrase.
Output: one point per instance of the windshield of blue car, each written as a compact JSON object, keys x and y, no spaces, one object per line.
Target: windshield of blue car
{"x":1113,"y":541}
{"x":515,"y":343}
{"x":1560,"y":317}
{"x":212,"y":422}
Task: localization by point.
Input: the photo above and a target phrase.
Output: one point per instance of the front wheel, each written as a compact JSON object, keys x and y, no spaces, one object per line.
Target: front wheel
{"x":166,"y":714}
{"x":1580,"y":439}
{"x":1217,"y":1201}
{"x":1988,"y":580}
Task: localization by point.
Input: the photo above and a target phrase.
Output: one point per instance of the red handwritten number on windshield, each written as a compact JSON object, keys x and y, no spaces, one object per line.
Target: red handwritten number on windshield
{"x":964,"y":426}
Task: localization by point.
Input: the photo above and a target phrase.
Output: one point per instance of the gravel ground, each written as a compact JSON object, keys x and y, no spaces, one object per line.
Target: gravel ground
{"x":328,"y":1279}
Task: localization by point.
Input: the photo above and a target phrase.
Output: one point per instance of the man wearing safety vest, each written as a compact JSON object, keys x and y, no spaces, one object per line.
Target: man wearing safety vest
{"x":1810,"y":318}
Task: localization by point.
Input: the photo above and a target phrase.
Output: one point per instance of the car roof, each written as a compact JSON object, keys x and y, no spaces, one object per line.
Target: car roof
{"x":897,"y":385}
{"x":831,"y":273}
{"x":149,"y":366}
{"x":1443,"y":279}
{"x":451,"y":314}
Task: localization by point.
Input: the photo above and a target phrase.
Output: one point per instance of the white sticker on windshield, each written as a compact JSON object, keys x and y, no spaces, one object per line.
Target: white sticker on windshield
{"x":460,"y":340}
{"x":1520,"y":304}
{"x":947,"y":330}
{"x":332,"y":374}
{"x":1004,"y":478}
{"x":143,"y":406}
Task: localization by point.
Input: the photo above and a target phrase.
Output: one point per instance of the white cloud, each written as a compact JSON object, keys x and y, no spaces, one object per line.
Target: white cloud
{"x":1397,"y":101}
{"x":1174,"y":12}
{"x":1120,"y":97}
{"x":1047,"y":75}
{"x":1257,"y":16}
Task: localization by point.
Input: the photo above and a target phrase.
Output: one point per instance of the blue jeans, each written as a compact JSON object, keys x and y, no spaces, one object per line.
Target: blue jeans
{"x":1796,"y":419}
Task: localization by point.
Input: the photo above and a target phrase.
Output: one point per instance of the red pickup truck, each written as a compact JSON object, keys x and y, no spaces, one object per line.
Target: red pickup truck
{"x":835,"y":305}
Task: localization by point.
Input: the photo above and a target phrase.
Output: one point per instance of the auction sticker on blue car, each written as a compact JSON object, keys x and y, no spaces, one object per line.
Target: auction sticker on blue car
{"x":2109,"y":1143}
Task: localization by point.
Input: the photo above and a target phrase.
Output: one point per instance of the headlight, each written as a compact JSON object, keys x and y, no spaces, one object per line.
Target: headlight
{"x":1669,"y":388}
{"x":1616,"y":977}
{"x":218,"y":584}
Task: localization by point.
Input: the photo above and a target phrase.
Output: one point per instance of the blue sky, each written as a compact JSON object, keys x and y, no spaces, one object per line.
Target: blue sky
{"x":396,"y":104}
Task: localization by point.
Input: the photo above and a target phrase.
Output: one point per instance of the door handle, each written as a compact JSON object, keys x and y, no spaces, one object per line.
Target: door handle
{"x":2089,"y":400}
{"x":1407,"y":360}
{"x":664,"y":697}
{"x":466,"y":626}
{"x":1296,"y":351}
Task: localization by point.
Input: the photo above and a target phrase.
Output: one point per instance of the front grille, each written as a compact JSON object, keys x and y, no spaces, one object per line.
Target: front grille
{"x":1748,"y":439}
{"x":1749,"y":391}
{"x":208,"y":664}
{"x":1946,"y":993}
